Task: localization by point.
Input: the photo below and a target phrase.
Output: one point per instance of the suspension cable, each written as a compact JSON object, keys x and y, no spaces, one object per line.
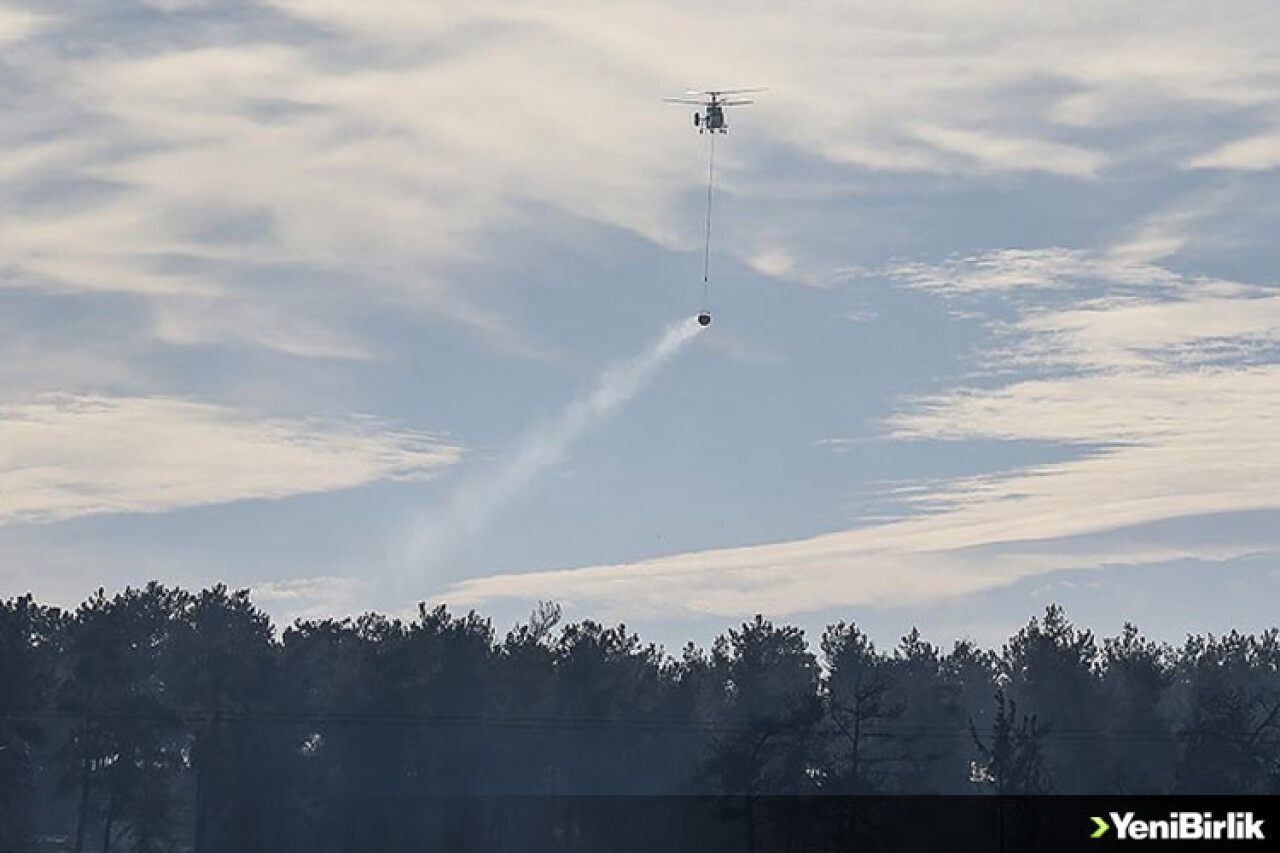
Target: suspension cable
{"x":706,"y":256}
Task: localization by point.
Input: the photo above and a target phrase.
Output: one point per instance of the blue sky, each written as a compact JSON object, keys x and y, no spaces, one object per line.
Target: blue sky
{"x":283,"y":282}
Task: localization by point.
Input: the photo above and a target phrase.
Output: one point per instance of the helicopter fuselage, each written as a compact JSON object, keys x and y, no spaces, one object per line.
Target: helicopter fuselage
{"x":712,"y":119}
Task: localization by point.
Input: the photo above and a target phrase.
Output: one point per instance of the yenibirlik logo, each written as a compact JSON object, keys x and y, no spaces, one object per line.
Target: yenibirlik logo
{"x":1181,"y":826}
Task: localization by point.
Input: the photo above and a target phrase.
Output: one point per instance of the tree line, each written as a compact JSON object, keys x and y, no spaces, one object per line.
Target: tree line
{"x":160,"y":719}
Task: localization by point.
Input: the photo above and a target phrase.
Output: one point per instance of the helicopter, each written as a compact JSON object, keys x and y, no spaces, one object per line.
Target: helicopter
{"x":711,"y":116}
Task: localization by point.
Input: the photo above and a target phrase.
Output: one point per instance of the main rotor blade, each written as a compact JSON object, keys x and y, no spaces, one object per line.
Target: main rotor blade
{"x":684,"y":101}
{"x":739,"y":103}
{"x":727,"y":91}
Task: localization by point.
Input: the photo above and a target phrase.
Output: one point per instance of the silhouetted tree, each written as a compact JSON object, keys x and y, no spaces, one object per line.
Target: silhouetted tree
{"x":860,"y":706}
{"x":932,"y":751}
{"x":28,"y":658}
{"x":610,"y":683}
{"x":771,"y":709}
{"x":1052,"y":670}
{"x":1013,"y":754}
{"x":224,"y":679}
{"x":1231,"y":728}
{"x":325,"y":689}
{"x":972,"y":675}
{"x":123,"y":753}
{"x":1139,"y":753}
{"x":525,"y":673}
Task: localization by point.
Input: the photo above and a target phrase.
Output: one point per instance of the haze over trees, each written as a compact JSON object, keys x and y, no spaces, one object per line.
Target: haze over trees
{"x":161,"y":719}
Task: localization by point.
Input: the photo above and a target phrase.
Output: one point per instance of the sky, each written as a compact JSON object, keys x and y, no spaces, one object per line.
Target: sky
{"x":364,"y":304}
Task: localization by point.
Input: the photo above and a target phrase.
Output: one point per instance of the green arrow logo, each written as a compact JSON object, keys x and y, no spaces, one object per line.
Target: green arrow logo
{"x":1103,"y":826}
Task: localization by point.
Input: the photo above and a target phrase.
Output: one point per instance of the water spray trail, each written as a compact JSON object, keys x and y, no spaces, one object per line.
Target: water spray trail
{"x":477,"y":502}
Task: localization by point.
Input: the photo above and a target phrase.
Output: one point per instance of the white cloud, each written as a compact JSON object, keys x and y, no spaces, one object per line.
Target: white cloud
{"x":1005,"y":269}
{"x":777,"y":262}
{"x":178,"y":5}
{"x":385,"y":20}
{"x":797,"y":577}
{"x":1199,"y":328}
{"x":994,"y":152}
{"x":322,"y":597}
{"x":1008,"y":270}
{"x":196,"y":321}
{"x":1256,"y":153}
{"x":17,"y":24}
{"x":1159,"y":383}
{"x":1176,"y":445}
{"x":64,"y":456}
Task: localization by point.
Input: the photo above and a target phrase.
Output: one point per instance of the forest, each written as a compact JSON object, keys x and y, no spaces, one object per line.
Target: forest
{"x":161,"y":719}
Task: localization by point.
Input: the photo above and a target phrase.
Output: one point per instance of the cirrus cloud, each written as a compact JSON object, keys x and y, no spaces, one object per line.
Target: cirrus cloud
{"x":387,"y":141}
{"x":64,"y":456}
